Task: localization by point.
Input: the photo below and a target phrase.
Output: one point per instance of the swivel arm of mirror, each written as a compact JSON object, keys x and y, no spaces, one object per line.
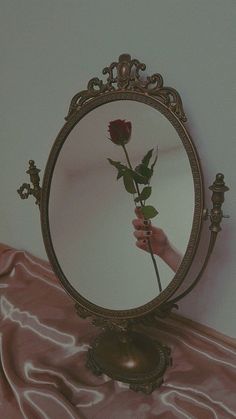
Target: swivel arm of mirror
{"x":216,"y":214}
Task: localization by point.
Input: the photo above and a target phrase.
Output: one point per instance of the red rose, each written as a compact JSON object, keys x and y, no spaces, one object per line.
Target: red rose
{"x":120,"y":131}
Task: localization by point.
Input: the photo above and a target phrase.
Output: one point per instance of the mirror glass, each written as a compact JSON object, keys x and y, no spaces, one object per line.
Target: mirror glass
{"x":91,"y":213}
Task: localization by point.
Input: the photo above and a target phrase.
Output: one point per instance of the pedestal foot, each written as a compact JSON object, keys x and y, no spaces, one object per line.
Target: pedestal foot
{"x":131,"y":357}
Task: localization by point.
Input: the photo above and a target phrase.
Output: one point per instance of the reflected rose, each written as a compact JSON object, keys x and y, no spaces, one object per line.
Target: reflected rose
{"x":120,"y":131}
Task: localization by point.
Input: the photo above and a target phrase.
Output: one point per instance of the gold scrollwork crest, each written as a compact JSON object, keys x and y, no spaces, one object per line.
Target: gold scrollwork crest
{"x":125,"y":74}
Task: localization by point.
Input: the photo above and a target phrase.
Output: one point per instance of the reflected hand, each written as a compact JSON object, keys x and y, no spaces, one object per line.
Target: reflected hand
{"x":161,"y":246}
{"x":145,"y":230}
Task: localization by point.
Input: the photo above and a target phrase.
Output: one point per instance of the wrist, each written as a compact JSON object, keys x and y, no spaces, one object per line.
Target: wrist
{"x":171,"y":256}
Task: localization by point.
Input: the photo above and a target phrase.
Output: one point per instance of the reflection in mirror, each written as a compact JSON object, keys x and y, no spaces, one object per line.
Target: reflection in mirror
{"x":91,"y":214}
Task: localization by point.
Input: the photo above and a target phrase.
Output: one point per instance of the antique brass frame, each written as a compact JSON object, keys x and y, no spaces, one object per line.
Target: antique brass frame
{"x":166,"y":100}
{"x":120,"y":351}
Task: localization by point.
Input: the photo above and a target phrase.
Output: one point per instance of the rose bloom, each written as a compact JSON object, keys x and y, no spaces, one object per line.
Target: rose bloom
{"x":120,"y":131}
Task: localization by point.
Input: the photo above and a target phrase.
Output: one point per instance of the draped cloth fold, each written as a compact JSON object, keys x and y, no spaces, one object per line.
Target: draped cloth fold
{"x":43,"y":345}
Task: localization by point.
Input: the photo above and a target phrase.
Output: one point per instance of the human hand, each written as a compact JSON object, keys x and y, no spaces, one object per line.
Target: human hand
{"x":145,"y":231}
{"x":147,"y":235}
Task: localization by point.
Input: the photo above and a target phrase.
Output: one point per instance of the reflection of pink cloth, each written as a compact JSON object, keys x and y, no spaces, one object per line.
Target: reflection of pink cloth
{"x":43,"y":353}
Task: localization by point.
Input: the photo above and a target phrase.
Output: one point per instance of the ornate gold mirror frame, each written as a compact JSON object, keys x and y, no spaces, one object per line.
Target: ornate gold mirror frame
{"x":121,"y":352}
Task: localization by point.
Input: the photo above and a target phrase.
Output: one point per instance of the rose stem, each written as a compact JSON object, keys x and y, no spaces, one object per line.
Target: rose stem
{"x":148,"y":239}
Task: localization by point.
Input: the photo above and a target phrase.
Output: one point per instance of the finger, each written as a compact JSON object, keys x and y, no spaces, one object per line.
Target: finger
{"x":158,"y":232}
{"x":140,"y":224}
{"x":139,"y":213}
{"x":141,"y":234}
{"x":140,"y":216}
{"x":142,"y":244}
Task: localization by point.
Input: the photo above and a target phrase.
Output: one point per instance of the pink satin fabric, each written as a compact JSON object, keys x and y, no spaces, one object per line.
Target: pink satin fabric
{"x":43,"y":354}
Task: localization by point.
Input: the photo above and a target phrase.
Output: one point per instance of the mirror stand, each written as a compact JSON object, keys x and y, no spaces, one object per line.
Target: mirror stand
{"x":127,"y":100}
{"x":120,"y":351}
{"x":127,"y":355}
{"x":130,"y":357}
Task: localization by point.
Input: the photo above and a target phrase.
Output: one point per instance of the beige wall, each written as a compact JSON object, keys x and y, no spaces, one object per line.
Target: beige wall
{"x":49,"y":50}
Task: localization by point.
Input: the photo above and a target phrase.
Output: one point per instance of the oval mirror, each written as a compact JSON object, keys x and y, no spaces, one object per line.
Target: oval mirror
{"x":87,"y":214}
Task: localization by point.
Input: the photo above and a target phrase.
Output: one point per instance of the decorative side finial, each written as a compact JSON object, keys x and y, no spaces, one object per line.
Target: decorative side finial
{"x":218,"y":190}
{"x":25,"y":190}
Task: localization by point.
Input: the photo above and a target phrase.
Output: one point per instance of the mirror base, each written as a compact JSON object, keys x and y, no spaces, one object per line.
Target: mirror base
{"x":130,"y":357}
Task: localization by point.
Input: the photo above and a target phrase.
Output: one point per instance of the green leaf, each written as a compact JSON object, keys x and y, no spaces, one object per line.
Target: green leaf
{"x":129,"y":183}
{"x":147,"y":158}
{"x":114,"y":163}
{"x":145,"y":194}
{"x":149,"y":211}
{"x":142,"y":180}
{"x":155,"y":159}
{"x":120,"y":173}
{"x":117,"y":164}
{"x":144,"y":171}
{"x":122,"y":169}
